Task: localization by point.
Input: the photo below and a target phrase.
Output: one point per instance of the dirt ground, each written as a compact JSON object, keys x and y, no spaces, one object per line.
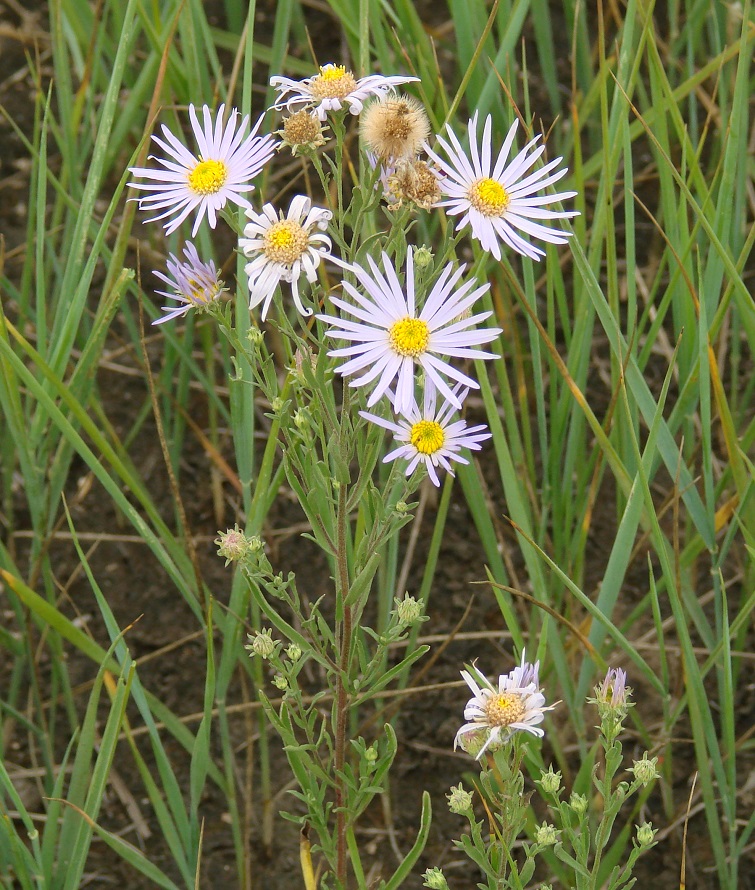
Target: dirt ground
{"x":171,"y":655}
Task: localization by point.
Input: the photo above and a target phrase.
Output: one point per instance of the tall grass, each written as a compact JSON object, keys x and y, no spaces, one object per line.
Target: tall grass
{"x":615,"y":507}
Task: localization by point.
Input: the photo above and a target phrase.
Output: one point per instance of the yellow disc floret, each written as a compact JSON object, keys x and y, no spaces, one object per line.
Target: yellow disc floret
{"x":208,"y":177}
{"x":409,"y":337}
{"x":489,"y":197}
{"x":333,"y":82}
{"x":285,"y":242}
{"x":504,"y":708}
{"x":427,"y":436}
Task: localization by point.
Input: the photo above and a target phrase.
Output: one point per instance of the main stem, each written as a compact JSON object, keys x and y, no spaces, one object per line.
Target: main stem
{"x":344,"y":643}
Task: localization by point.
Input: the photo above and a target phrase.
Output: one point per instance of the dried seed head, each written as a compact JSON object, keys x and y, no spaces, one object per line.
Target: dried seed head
{"x":395,"y":127}
{"x":302,"y":132}
{"x":412,"y":182}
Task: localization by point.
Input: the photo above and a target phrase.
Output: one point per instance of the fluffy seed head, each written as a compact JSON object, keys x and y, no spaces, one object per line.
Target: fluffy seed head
{"x":395,"y":127}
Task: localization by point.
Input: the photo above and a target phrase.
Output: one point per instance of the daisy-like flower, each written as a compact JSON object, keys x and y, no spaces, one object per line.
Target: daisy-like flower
{"x":498,"y":198}
{"x":332,"y":88}
{"x":194,"y":284}
{"x":391,"y":338}
{"x":515,"y":705}
{"x":428,"y":436}
{"x":221,"y":172}
{"x":283,"y":248}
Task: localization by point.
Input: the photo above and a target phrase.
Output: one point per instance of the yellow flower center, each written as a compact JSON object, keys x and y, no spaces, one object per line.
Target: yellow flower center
{"x":489,"y":197}
{"x":409,"y":336}
{"x":285,"y":242}
{"x":504,"y":708}
{"x":427,"y":436}
{"x":333,"y":82}
{"x":208,"y":177}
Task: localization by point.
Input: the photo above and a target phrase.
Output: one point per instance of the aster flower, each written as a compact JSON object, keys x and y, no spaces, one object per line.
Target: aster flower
{"x":331,"y":88}
{"x":428,"y":436}
{"x":194,"y":284}
{"x":221,"y":172}
{"x":515,"y":705}
{"x":283,"y":248}
{"x":391,"y":338}
{"x":498,"y":198}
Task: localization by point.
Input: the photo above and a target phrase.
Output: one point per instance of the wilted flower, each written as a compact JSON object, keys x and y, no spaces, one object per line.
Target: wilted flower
{"x":495,"y":198}
{"x":195,"y":285}
{"x":233,"y":544}
{"x":410,"y":181}
{"x":613,"y":691}
{"x":222,"y":171}
{"x":517,"y":704}
{"x":332,"y":88}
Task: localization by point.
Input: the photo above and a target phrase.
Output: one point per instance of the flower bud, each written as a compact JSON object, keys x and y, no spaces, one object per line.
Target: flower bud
{"x":645,"y":834}
{"x":459,"y":800}
{"x":549,"y":781}
{"x":423,"y":257}
{"x":262,"y":643}
{"x":546,"y":835}
{"x":293,"y":652}
{"x":280,"y":682}
{"x":255,"y":336}
{"x":645,"y":770}
{"x":409,"y":611}
{"x":578,"y":803}
{"x":435,"y":879}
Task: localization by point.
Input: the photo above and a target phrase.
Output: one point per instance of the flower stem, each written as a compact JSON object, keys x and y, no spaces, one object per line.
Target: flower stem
{"x":344,"y":657}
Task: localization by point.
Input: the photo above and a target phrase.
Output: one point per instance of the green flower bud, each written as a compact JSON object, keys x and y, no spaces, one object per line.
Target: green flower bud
{"x":262,"y":643}
{"x":435,"y":879}
{"x":459,"y":800}
{"x":578,"y":803}
{"x":546,"y":835}
{"x":645,"y":770}
{"x":423,"y":256}
{"x":549,"y":781}
{"x":409,"y":611}
{"x":645,"y":834}
{"x":280,"y":682}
